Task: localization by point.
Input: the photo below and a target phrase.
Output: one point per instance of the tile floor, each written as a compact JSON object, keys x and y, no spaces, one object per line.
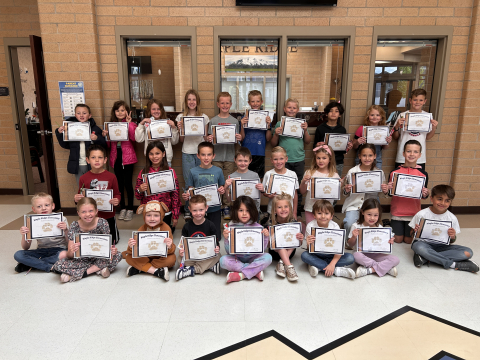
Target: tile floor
{"x":143,"y":317}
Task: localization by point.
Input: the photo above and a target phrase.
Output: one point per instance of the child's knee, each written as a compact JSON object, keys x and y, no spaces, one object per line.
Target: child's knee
{"x":62,"y":254}
{"x":408,"y":240}
{"x":468,"y":254}
{"x":398,"y":239}
{"x":347,"y":258}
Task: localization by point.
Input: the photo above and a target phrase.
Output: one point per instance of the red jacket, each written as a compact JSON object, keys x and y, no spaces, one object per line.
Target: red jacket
{"x":128,"y":148}
{"x":401,"y":206}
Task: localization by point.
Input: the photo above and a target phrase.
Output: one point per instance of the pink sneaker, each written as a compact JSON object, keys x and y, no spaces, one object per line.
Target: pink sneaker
{"x":259,"y":276}
{"x":234,"y":276}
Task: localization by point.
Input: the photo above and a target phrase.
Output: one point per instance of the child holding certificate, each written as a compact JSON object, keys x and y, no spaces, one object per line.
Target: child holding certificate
{"x":49,"y":250}
{"x":244,"y":213}
{"x":122,"y":157}
{"x":329,"y":264}
{"x":448,"y":255}
{"x":153,"y":215}
{"x":375,"y":117}
{"x":77,"y":163}
{"x":191,"y":107}
{"x":371,"y":263}
{"x":323,"y":165}
{"x":73,"y":269}
{"x":157,"y":161}
{"x":155,"y":111}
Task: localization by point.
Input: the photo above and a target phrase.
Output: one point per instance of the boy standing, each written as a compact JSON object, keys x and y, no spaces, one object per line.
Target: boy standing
{"x":100,"y":179}
{"x":49,"y":250}
{"x":449,"y":256}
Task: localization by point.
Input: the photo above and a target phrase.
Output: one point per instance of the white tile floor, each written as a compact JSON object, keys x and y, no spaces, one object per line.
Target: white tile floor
{"x":143,"y":317}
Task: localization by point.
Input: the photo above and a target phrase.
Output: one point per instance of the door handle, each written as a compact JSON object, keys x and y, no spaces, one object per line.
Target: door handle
{"x":44,"y":132}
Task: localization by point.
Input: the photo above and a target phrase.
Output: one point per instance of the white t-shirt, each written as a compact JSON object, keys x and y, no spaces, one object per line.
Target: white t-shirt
{"x":428,"y":214}
{"x":421,"y":137}
{"x":266,"y":179}
{"x":190,"y":143}
{"x":314,"y":224}
{"x":82,"y":160}
{"x":308,"y":201}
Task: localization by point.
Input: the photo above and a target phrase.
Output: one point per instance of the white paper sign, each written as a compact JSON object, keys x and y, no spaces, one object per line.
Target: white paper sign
{"x":376,"y":135}
{"x":102,"y":198}
{"x":210,"y":192}
{"x":328,"y":241}
{"x":94,"y":245}
{"x":434,"y":231}
{"x":224,"y":134}
{"x":159,"y":182}
{"x":43,"y":225}
{"x":418,"y":122}
{"x":278,"y":183}
{"x":257,"y":119}
{"x":199,"y":248}
{"x":292,"y":127}
{"x":159,"y":129}
{"x":193,"y":126}
{"x":375,"y":240}
{"x":246,"y":240}
{"x":284,"y":236}
{"x":325,"y":188}
{"x":76,"y":131}
{"x":149,"y":243}
{"x":117,"y":131}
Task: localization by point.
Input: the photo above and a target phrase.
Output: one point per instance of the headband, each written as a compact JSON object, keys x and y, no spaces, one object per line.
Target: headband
{"x":325,"y":147}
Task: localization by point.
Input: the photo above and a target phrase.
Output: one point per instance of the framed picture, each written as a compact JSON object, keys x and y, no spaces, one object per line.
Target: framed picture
{"x":375,"y":240}
{"x":284,"y":236}
{"x":94,"y":246}
{"x":43,"y":226}
{"x":328,"y":241}
{"x":150,"y":243}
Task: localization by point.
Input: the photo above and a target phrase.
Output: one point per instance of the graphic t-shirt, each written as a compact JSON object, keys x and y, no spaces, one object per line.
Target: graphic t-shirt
{"x":103,"y":181}
{"x":207,"y":228}
{"x":199,"y":176}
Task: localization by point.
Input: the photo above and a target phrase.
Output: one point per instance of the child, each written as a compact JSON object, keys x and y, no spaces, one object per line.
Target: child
{"x":157,"y":161}
{"x":156,"y":111}
{"x":370,"y":263}
{"x":353,"y":202}
{"x":77,"y":163}
{"x":153,"y":215}
{"x":207,"y":174}
{"x":295,"y":147}
{"x":255,"y":139}
{"x":403,"y":209}
{"x":225,"y":154}
{"x":244,"y":213}
{"x":279,"y":158}
{"x":100,"y":179}
{"x":334,"y":111}
{"x":282,"y":214}
{"x":375,"y":117}
{"x":418,"y":98}
{"x":323,"y":165}
{"x":198,"y":227}
{"x":190,"y":143}
{"x":329,"y":264}
{"x":75,"y":269}
{"x":123,"y":157}
{"x":49,"y":250}
{"x":449,"y":256}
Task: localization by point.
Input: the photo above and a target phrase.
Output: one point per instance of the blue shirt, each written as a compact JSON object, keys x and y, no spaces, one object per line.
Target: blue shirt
{"x":198,"y":177}
{"x":255,"y":141}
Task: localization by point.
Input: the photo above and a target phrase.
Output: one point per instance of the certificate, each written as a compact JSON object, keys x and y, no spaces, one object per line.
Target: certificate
{"x":94,"y":246}
{"x":42,"y":226}
{"x":246,"y":240}
{"x":159,"y":129}
{"x":328,"y":241}
{"x":407,"y":186}
{"x":245,"y":187}
{"x":278,"y":183}
{"x":367,"y":182}
{"x":374,"y":240}
{"x":76,"y":131}
{"x":325,"y":188}
{"x":159,"y":182}
{"x":193,"y":126}
{"x":199,"y":248}
{"x":150,"y":243}
{"x":434,"y":231}
{"x":224,"y":134}
{"x":292,"y":127}
{"x":117,"y":131}
{"x":210,"y":192}
{"x":419,"y":122}
{"x":257,"y":119}
{"x":101,"y":197}
{"x":284,"y":236}
{"x":338,"y":142}
{"x":376,"y":135}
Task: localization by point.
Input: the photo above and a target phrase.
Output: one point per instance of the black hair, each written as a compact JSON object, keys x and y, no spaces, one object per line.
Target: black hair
{"x":249,"y":204}
{"x":368,"y":205}
{"x":96,"y":147}
{"x":159,"y":145}
{"x":333,"y":104}
{"x":412,"y":142}
{"x":206,"y":144}
{"x":371,"y":147}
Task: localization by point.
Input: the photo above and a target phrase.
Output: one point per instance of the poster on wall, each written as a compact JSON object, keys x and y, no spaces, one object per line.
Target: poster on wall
{"x":71,"y":94}
{"x":251,"y":63}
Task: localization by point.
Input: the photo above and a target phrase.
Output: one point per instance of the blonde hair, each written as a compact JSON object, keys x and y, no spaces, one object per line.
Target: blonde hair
{"x":86,"y":201}
{"x":224,"y":94}
{"x":278,"y":149}
{"x":380,"y":110}
{"x":332,"y":165}
{"x":278,"y":198}
{"x":291,"y":100}
{"x":198,"y":110}
{"x":148,"y":112}
{"x":254,"y":93}
{"x":41,"y":195}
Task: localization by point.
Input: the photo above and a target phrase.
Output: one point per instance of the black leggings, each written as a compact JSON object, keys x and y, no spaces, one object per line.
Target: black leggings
{"x":124,"y":178}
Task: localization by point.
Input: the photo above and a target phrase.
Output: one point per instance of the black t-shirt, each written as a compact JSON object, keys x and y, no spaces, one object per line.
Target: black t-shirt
{"x":203,"y":230}
{"x":323,"y":129}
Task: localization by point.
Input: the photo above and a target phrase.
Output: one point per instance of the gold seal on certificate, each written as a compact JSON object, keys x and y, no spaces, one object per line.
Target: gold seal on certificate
{"x":199,"y":248}
{"x":159,"y":129}
{"x":42,"y":226}
{"x":278,"y":183}
{"x":434,"y":231}
{"x":419,"y":122}
{"x":376,"y":135}
{"x":101,"y":197}
{"x":94,"y":245}
{"x":76,"y":131}
{"x":338,"y":142}
{"x":246,"y":240}
{"x":210,"y":192}
{"x":325,"y":188}
{"x":245,"y":187}
{"x":292,"y":127}
{"x":367,"y":182}
{"x":149,"y":243}
{"x":193,"y":126}
{"x":407,"y":186}
{"x":284,"y":236}
{"x":374,"y":240}
{"x":159,"y":182}
{"x":224,"y":134}
{"x":328,"y":241}
{"x":257,"y":119}
{"x":117,"y":131}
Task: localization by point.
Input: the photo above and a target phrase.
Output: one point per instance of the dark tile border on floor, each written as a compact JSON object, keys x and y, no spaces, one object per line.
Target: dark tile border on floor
{"x":443,"y":355}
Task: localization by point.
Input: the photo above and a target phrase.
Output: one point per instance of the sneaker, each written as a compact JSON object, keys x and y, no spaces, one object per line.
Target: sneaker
{"x":259,"y":276}
{"x":226,"y":213}
{"x":21,"y":268}
{"x":129,"y":215}
{"x":291,"y":273}
{"x":280,"y":269}
{"x":393,"y":271}
{"x":162,"y":273}
{"x":65,"y":278}
{"x":361,"y":271}
{"x":312,"y":270}
{"x":104,"y":272}
{"x":216,"y":268}
{"x":418,"y":261}
{"x":467,"y":265}
{"x":187,"y":216}
{"x":234,"y":276}
{"x":132,"y":271}
{"x":184,"y":272}
{"x":344,"y":272}
{"x":122,"y":214}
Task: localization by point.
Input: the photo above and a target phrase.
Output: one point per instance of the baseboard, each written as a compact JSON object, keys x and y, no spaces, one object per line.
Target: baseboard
{"x":11,"y":191}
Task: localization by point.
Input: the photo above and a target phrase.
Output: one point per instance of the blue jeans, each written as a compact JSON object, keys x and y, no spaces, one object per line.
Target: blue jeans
{"x":321,"y":261}
{"x":442,"y":254}
{"x":49,"y":256}
{"x":189,"y":161}
{"x":350,"y":218}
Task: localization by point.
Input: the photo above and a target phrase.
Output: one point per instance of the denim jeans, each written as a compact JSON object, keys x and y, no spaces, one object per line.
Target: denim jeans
{"x":350,"y":218}
{"x":442,"y":254}
{"x":189,"y":161}
{"x":321,"y":261}
{"x":339,"y":170}
{"x":49,"y":256}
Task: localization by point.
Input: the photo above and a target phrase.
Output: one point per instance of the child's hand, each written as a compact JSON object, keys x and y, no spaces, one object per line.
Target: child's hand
{"x":306,"y":179}
{"x":321,"y":143}
{"x":75,"y":246}
{"x":329,"y":270}
{"x":434,"y":123}
{"x":349,"y":146}
{"x":217,"y":249}
{"x":400,"y":123}
{"x":425,"y":192}
{"x":268,"y":121}
{"x":114,"y":201}
{"x":24,"y":230}
{"x":132,"y":242}
{"x":145,"y":121}
{"x":77,"y":197}
{"x":114,"y":250}
{"x":181,"y":251}
{"x":238,"y":137}
{"x":348,"y":188}
{"x":171,"y":123}
{"x":186,"y":196}
{"x":299,"y":237}
{"x":174,"y":222}
{"x":221,"y":190}
{"x":210,"y":138}
{"x":129,"y":117}
{"x":169,"y":242}
{"x":278,"y":130}
{"x":304,"y":126}
{"x":265,"y":232}
{"x":93,"y":136}
{"x":228,"y":182}
{"x":392,"y":240}
{"x":384,"y":188}
{"x":244,"y":121}
{"x":180,"y":125}
{"x":388,"y":139}
{"x":310,"y":239}
{"x":104,"y":133}
{"x":270,"y":196}
{"x":143,"y":187}
{"x":61,"y":129}
{"x":355,"y":232}
{"x":259,"y":187}
{"x":225,"y":233}
{"x":362,"y":140}
{"x":417,"y":226}
{"x":62,"y":225}
{"x":452,"y":233}
{"x":390,"y":185}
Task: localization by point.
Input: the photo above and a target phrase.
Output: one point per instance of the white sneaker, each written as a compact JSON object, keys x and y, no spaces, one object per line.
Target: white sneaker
{"x":312,"y":270}
{"x":393,"y":271}
{"x":280,"y":269}
{"x":361,"y":271}
{"x":128,"y":215}
{"x":291,"y":273}
{"x":344,"y":272}
{"x":122,"y":214}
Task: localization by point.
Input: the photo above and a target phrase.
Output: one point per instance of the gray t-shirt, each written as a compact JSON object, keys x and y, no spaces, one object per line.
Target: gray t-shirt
{"x":60,"y":241}
{"x":249,"y":175}
{"x":223,"y":152}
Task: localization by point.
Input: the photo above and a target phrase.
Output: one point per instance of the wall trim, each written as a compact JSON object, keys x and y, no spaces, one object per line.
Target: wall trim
{"x":11,"y":191}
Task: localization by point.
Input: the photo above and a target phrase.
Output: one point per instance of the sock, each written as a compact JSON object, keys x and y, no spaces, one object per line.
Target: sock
{"x":369,"y":271}
{"x":453,"y":266}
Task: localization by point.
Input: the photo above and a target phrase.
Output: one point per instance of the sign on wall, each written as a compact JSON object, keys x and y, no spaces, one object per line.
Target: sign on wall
{"x":71,"y":94}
